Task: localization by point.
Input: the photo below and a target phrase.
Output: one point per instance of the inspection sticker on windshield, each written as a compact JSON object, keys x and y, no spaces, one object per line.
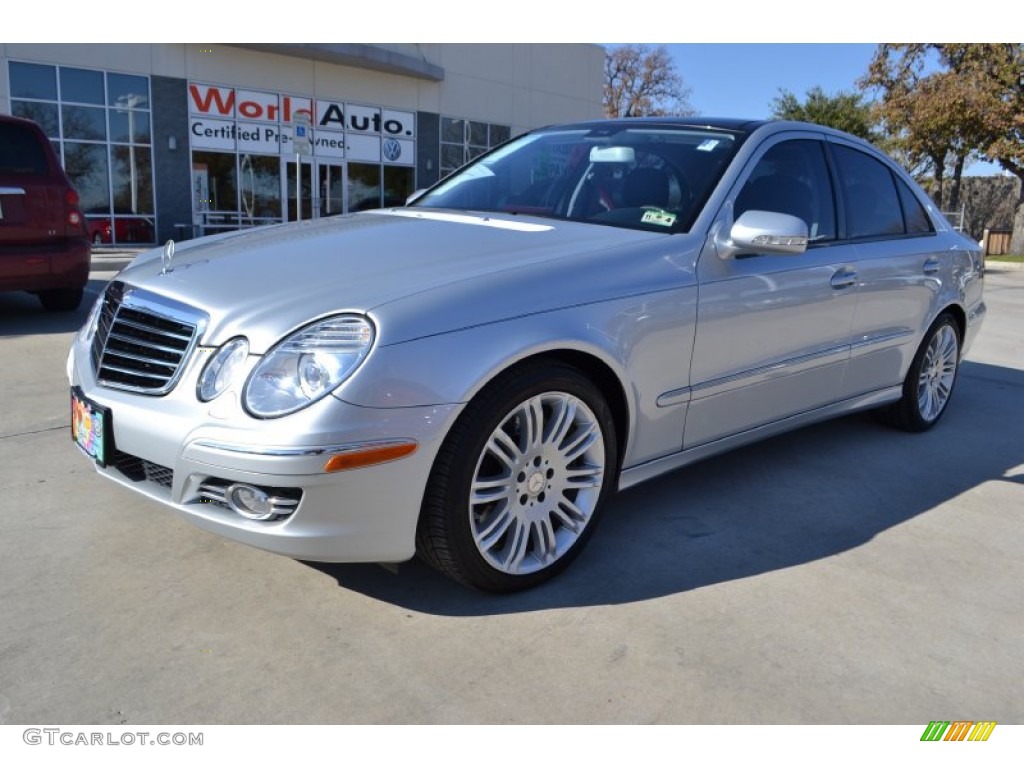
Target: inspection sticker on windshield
{"x":707,"y":145}
{"x":662,"y":218}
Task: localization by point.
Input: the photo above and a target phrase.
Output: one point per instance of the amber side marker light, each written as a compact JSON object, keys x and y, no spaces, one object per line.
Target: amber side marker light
{"x":368,"y":456}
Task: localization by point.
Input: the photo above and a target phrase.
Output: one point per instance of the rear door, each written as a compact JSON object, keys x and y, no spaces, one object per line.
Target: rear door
{"x":899,"y":265}
{"x":31,"y":194}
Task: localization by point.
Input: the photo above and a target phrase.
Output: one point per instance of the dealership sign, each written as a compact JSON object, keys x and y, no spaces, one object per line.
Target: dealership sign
{"x":232,"y":119}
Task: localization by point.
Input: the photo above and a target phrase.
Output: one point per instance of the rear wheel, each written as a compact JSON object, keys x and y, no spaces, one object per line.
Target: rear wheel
{"x":519,"y":483}
{"x":931,"y":378}
{"x":61,"y":299}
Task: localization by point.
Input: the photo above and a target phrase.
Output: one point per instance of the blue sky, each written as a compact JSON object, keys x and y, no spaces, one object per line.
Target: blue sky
{"x":740,"y":79}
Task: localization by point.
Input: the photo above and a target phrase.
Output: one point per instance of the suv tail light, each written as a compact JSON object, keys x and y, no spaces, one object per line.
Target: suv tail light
{"x":73,"y":216}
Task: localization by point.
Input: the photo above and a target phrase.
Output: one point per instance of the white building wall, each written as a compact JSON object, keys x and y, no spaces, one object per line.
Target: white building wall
{"x":520,"y":84}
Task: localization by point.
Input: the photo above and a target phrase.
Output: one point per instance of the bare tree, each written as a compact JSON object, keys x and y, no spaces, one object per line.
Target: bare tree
{"x":640,"y":81}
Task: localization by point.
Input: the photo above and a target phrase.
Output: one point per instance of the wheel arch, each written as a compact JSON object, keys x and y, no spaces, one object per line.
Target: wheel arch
{"x":598,"y":372}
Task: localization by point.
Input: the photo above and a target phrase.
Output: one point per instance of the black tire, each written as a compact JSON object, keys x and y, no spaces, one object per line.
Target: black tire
{"x":929,"y":384}
{"x":61,"y":299}
{"x":542,"y":500}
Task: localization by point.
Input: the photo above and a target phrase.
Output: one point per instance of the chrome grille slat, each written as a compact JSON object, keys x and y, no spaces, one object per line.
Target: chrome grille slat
{"x":135,"y":340}
{"x":140,"y":359}
{"x":148,"y":329}
{"x":142,"y":340}
{"x":132,"y":372}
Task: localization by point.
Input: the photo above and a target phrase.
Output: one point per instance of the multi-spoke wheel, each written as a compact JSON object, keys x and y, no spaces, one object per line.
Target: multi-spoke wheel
{"x":517,"y":486}
{"x":930,"y":380}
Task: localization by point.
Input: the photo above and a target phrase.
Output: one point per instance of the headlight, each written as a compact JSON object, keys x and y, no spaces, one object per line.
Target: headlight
{"x":222,"y":369}
{"x":308,"y":365}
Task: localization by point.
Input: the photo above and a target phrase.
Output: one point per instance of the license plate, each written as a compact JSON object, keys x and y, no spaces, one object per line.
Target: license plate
{"x":91,"y":428}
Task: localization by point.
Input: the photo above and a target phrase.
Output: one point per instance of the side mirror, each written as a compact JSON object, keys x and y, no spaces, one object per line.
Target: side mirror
{"x":764,"y":232}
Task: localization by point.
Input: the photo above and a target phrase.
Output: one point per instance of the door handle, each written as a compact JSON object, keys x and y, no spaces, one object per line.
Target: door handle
{"x":843,"y":278}
{"x":931,"y":265}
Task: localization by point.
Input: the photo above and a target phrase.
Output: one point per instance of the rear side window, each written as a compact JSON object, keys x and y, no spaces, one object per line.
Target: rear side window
{"x":21,"y":152}
{"x":914,"y":214}
{"x":872,"y":204}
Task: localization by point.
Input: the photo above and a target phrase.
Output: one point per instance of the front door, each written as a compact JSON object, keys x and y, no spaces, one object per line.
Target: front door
{"x":330,"y":185}
{"x":773,"y":331}
{"x":322,"y":188}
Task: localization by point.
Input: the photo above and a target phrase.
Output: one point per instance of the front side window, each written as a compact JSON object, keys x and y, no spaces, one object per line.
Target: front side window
{"x":644,"y":177}
{"x":792,"y":177}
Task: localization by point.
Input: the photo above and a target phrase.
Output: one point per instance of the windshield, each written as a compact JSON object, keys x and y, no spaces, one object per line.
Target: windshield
{"x":649,"y":177}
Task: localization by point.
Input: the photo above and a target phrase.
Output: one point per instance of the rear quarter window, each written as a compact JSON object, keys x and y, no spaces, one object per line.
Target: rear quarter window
{"x":21,"y":152}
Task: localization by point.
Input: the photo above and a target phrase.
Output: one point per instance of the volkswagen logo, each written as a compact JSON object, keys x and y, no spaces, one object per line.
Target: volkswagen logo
{"x":392,"y":149}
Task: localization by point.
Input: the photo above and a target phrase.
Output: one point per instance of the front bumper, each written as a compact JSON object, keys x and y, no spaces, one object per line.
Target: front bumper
{"x":167,"y":448}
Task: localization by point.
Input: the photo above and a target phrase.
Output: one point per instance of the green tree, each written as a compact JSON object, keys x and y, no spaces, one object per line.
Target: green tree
{"x":640,"y":81}
{"x":951,"y":101}
{"x":844,"y":111}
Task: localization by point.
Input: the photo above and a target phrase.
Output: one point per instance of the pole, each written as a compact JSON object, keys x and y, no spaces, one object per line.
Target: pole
{"x":298,"y":187}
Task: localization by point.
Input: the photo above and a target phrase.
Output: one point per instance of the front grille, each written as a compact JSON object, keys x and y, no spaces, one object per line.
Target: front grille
{"x":138,"y":470}
{"x":142,"y":340}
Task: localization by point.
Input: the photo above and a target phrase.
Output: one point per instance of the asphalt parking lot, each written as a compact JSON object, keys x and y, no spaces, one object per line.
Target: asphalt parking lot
{"x":846,"y":573}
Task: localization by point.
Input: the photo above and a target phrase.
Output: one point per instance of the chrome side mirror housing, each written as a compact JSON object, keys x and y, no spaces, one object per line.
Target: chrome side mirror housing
{"x":763,"y":232}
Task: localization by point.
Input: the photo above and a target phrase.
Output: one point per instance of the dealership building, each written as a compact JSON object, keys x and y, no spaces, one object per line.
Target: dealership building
{"x":179,"y":140}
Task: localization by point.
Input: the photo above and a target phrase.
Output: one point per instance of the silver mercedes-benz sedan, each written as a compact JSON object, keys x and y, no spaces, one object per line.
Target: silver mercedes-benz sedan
{"x":470,"y":377}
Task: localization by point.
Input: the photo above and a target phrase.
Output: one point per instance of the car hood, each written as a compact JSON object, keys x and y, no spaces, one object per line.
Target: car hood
{"x":264,"y":282}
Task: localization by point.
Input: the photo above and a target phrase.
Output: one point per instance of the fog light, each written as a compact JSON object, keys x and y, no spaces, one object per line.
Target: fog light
{"x":250,"y":502}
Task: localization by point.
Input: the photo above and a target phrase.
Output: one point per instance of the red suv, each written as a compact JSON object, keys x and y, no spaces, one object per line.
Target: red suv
{"x":44,"y":246}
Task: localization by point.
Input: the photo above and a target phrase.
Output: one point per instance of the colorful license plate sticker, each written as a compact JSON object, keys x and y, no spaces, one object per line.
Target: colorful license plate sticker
{"x":90,"y":427}
{"x":659,"y":217}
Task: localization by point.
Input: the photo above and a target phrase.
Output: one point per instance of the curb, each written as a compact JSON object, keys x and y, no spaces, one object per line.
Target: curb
{"x":994,"y":265}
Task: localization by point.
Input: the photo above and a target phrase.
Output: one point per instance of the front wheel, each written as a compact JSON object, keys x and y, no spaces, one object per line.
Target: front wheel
{"x":930,"y":380}
{"x":519,"y":482}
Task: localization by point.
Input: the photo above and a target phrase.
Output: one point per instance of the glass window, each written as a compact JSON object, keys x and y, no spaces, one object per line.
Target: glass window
{"x":478,"y":134}
{"x":20,"y":151}
{"x":398,"y":185}
{"x":127,"y":91}
{"x":86,"y":165}
{"x":84,"y":122}
{"x":914,"y":214}
{"x":499,"y":134}
{"x":83,"y":85}
{"x":641,"y":177}
{"x":129,"y":126}
{"x":261,"y":187}
{"x":33,"y":81}
{"x":363,"y":187}
{"x":453,"y":130}
{"x":872,"y":206}
{"x":131,"y":176}
{"x":214,"y":181}
{"x":452,"y":157}
{"x":40,"y":112}
{"x":792,"y":177}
